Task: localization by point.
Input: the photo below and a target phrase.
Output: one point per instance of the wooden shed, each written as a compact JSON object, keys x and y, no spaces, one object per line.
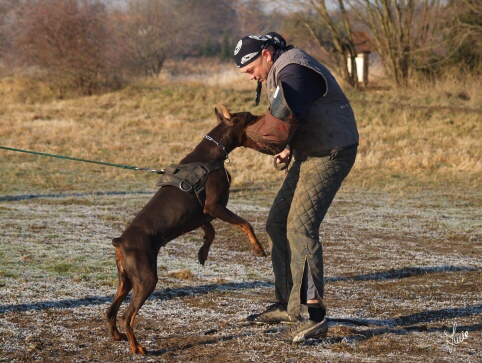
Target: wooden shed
{"x":363,"y":46}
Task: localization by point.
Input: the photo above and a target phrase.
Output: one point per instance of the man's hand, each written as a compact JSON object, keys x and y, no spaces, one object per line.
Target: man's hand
{"x":282,"y":160}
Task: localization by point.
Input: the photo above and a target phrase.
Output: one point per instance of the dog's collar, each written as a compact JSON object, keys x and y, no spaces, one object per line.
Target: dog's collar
{"x":207,"y":137}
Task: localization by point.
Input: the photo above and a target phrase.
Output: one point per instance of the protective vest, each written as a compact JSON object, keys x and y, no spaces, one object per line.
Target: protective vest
{"x":329,"y":123}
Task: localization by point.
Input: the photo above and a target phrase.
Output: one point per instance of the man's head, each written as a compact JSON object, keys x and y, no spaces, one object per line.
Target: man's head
{"x":254,"y":54}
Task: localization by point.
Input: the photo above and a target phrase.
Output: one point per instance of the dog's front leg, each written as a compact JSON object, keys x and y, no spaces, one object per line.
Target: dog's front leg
{"x":224,"y":214}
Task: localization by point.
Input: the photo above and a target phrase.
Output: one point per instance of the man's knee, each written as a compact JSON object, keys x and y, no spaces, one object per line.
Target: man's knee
{"x":274,"y":228}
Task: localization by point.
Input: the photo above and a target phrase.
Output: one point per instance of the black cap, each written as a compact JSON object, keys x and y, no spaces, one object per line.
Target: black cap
{"x":249,"y":48}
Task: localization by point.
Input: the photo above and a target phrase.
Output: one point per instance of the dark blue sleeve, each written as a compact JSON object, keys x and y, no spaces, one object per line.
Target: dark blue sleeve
{"x":301,"y":87}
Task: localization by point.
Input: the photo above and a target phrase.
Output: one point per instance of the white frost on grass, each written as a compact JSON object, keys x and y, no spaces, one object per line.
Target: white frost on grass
{"x":58,"y":276}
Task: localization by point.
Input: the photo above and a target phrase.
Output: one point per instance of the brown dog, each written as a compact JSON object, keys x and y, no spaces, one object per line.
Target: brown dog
{"x":172,"y":212}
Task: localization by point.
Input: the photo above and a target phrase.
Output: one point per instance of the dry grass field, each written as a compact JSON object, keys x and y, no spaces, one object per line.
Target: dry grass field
{"x":402,"y":240}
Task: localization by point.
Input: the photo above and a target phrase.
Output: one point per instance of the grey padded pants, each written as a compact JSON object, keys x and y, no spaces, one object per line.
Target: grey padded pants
{"x":294,"y":221}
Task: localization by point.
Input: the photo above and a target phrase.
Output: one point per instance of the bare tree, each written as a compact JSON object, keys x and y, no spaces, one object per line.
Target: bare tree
{"x":333,"y":18}
{"x":407,"y":34}
{"x":151,"y":31}
{"x":146,"y":33}
{"x":7,"y":8}
{"x":465,"y":34}
{"x":66,"y":39}
{"x":404,"y":32}
{"x":252,"y":18}
{"x":341,"y":35}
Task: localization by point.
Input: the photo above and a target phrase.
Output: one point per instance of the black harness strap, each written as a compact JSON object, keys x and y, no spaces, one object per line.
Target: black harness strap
{"x":190,"y":178}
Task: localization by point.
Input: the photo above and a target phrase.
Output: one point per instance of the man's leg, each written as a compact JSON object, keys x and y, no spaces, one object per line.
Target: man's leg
{"x":320,"y":179}
{"x":280,"y":250}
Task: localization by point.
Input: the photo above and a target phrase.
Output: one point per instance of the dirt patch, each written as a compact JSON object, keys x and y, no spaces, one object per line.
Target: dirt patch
{"x":403,"y":283}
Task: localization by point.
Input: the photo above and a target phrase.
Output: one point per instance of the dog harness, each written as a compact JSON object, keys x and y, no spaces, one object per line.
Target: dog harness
{"x":190,"y":178}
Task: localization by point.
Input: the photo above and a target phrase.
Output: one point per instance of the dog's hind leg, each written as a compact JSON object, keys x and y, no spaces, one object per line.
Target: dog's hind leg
{"x":209,"y":234}
{"x":123,"y":289}
{"x":143,"y":274}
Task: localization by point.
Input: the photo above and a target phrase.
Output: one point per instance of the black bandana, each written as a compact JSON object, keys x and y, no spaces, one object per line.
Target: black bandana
{"x":249,"y":48}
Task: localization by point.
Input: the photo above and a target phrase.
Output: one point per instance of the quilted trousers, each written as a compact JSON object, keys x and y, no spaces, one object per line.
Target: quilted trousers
{"x":293,"y":226}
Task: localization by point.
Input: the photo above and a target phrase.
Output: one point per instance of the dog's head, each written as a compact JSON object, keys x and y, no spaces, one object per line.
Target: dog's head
{"x":239,"y":122}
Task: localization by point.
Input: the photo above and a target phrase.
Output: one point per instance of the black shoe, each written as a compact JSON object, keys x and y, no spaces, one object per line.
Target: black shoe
{"x":274,"y":314}
{"x":304,"y":330}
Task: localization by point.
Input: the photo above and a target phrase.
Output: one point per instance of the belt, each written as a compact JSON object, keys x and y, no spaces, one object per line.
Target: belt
{"x":331,"y":153}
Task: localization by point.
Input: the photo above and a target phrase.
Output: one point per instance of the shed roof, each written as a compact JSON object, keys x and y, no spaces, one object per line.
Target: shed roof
{"x":362,"y":42}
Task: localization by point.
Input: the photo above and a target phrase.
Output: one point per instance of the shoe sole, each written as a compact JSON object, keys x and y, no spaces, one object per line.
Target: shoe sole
{"x":300,"y":338}
{"x":271,"y":322}
{"x":303,"y":339}
{"x":252,"y":319}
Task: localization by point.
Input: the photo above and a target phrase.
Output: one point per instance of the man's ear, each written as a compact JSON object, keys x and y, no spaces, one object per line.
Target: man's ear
{"x":266,"y":54}
{"x":224,"y":116}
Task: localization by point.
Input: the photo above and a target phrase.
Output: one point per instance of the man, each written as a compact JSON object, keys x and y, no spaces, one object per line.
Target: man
{"x":310,"y":120}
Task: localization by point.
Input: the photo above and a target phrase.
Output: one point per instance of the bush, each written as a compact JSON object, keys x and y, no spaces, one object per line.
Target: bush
{"x":68,"y":40}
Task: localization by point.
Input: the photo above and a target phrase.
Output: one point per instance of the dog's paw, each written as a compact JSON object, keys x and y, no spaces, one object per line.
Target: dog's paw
{"x":260,"y":252}
{"x":202,"y":255}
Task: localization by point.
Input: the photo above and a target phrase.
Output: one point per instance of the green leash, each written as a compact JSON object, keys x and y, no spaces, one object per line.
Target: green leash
{"x":149,"y":170}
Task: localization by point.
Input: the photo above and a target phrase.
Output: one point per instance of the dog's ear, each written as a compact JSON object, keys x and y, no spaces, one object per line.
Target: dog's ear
{"x":225,"y":112}
{"x":224,"y":116}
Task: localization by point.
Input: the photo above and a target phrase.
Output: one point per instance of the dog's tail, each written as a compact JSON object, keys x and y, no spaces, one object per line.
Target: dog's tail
{"x":116,"y":241}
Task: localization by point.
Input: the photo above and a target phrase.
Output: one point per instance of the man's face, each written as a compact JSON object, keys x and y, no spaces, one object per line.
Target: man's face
{"x":258,"y":69}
